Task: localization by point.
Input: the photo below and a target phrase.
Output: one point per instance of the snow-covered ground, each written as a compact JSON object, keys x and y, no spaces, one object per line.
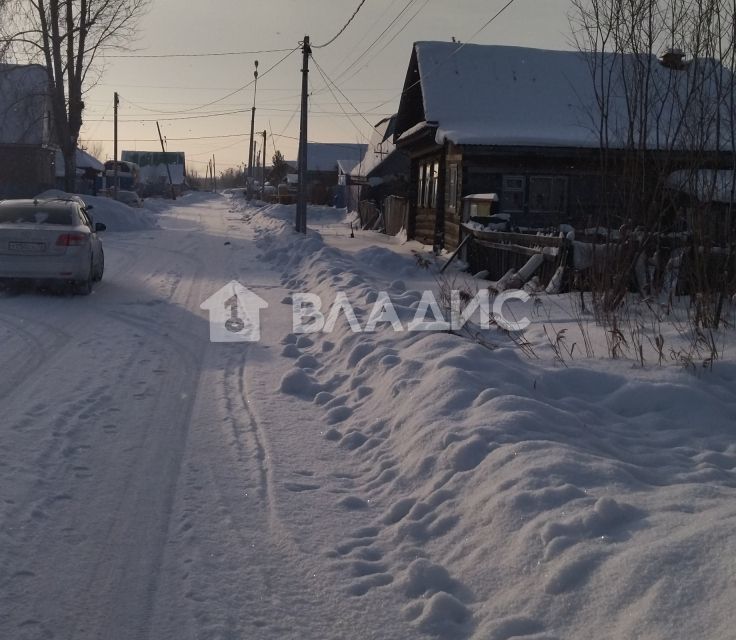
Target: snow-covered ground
{"x":346,"y":485}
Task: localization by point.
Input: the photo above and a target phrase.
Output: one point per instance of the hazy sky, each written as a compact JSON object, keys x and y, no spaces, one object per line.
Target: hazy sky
{"x":173,"y":88}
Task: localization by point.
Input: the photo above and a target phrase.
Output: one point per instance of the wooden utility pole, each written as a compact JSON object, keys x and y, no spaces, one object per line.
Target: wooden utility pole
{"x":214,"y":174}
{"x":263,"y":167}
{"x":115,"y":185}
{"x":301,"y":201}
{"x":252,"y":121}
{"x":168,"y":169}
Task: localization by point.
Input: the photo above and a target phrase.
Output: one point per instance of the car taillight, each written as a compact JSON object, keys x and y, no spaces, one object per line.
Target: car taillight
{"x":71,"y":240}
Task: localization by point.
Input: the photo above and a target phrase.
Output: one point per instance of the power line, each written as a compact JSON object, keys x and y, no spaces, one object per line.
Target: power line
{"x":227,"y":135}
{"x":486,"y":25}
{"x":201,"y":116}
{"x":327,"y":81}
{"x":396,"y":35}
{"x":195,"y":55}
{"x":331,"y":82}
{"x":339,"y":33}
{"x":223,"y":98}
{"x":452,"y":55}
{"x":372,"y":44}
{"x":333,"y":144}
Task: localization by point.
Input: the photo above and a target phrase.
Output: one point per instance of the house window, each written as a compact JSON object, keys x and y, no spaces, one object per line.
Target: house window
{"x":434,"y":182}
{"x":428,"y":181}
{"x":422,"y":181}
{"x":427,"y":185}
{"x":451,"y":187}
{"x":513,"y":193}
{"x":547,"y":194}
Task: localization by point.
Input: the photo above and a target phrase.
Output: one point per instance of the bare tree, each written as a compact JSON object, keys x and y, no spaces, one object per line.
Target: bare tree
{"x":664,"y":86}
{"x":66,"y":37}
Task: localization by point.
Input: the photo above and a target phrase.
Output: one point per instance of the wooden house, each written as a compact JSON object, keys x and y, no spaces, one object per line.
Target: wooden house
{"x":323,"y":170}
{"x":381,"y":180}
{"x":526,"y":124}
{"x":27,"y":149}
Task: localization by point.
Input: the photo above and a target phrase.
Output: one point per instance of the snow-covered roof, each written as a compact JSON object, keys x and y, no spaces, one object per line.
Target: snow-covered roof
{"x":347,"y":166}
{"x":482,"y":196}
{"x":23,"y":104}
{"x":155,"y":166}
{"x":498,"y":95}
{"x":159,"y":173}
{"x":324,"y":156}
{"x":381,"y":146}
{"x":84,"y":161}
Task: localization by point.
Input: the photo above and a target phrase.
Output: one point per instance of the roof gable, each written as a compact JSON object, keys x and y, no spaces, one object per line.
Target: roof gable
{"x":324,"y":156}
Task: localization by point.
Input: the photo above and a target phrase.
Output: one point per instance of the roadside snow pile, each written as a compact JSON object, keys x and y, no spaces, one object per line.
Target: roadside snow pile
{"x":287,"y":213}
{"x":116,"y":215}
{"x":509,"y":497}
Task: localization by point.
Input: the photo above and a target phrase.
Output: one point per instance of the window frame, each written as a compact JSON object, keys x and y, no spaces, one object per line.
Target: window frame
{"x":509,"y":190}
{"x":553,"y":179}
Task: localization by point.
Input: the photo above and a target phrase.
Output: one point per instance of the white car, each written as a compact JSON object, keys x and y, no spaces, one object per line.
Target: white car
{"x":131,"y":198}
{"x":52,"y":241}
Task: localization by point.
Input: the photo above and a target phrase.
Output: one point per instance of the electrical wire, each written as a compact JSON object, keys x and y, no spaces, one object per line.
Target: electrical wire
{"x":202,"y":116}
{"x":195,"y":55}
{"x":327,"y":81}
{"x":372,"y":44}
{"x":331,"y":82}
{"x":223,"y":98}
{"x":339,"y":33}
{"x":452,"y":55}
{"x":226,"y":135}
{"x":396,"y":35}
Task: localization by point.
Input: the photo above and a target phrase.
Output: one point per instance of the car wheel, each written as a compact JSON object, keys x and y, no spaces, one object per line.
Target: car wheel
{"x":84,"y":287}
{"x":100,"y":268}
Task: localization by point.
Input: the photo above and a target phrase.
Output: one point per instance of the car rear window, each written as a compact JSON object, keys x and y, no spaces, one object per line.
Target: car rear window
{"x":36,"y":216}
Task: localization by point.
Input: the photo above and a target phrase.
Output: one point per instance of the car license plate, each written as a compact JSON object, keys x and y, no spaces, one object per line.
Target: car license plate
{"x":30,"y":247}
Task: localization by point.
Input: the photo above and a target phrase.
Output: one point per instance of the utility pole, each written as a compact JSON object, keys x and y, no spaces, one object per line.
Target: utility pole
{"x":168,"y":168}
{"x":115,"y":185}
{"x":263,"y":167}
{"x":214,"y":174}
{"x":301,"y":201}
{"x":252,"y":122}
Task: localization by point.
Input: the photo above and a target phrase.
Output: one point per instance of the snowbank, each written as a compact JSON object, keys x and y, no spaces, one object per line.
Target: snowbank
{"x":116,"y":215}
{"x":511,"y":497}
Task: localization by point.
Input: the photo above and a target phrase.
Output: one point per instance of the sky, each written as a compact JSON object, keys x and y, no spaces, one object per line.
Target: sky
{"x":368,"y":70}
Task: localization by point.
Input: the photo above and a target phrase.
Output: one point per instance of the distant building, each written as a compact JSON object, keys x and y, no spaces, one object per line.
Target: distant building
{"x":382,"y":172}
{"x":27,"y":149}
{"x":89,"y":172}
{"x":323,"y":167}
{"x":155,"y":167}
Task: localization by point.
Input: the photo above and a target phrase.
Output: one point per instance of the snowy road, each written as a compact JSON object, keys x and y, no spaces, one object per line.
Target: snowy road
{"x":340,"y":485}
{"x":146,"y":481}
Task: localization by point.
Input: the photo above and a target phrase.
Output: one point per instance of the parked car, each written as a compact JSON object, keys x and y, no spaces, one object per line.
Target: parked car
{"x":50,"y":241}
{"x":131,"y":198}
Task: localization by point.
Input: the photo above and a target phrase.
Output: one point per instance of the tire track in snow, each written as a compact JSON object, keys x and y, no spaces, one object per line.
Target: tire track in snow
{"x":114,"y":618}
{"x":42,"y":347}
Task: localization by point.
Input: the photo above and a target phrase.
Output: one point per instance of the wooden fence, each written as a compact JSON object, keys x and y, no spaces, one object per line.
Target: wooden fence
{"x":498,"y":252}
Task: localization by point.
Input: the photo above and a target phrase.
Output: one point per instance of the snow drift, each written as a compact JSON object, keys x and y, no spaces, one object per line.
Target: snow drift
{"x":116,"y":215}
{"x":511,"y":498}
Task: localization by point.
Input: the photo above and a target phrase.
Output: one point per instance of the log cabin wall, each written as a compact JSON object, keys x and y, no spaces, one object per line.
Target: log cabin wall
{"x":453,"y":192}
{"x":428,"y":178}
